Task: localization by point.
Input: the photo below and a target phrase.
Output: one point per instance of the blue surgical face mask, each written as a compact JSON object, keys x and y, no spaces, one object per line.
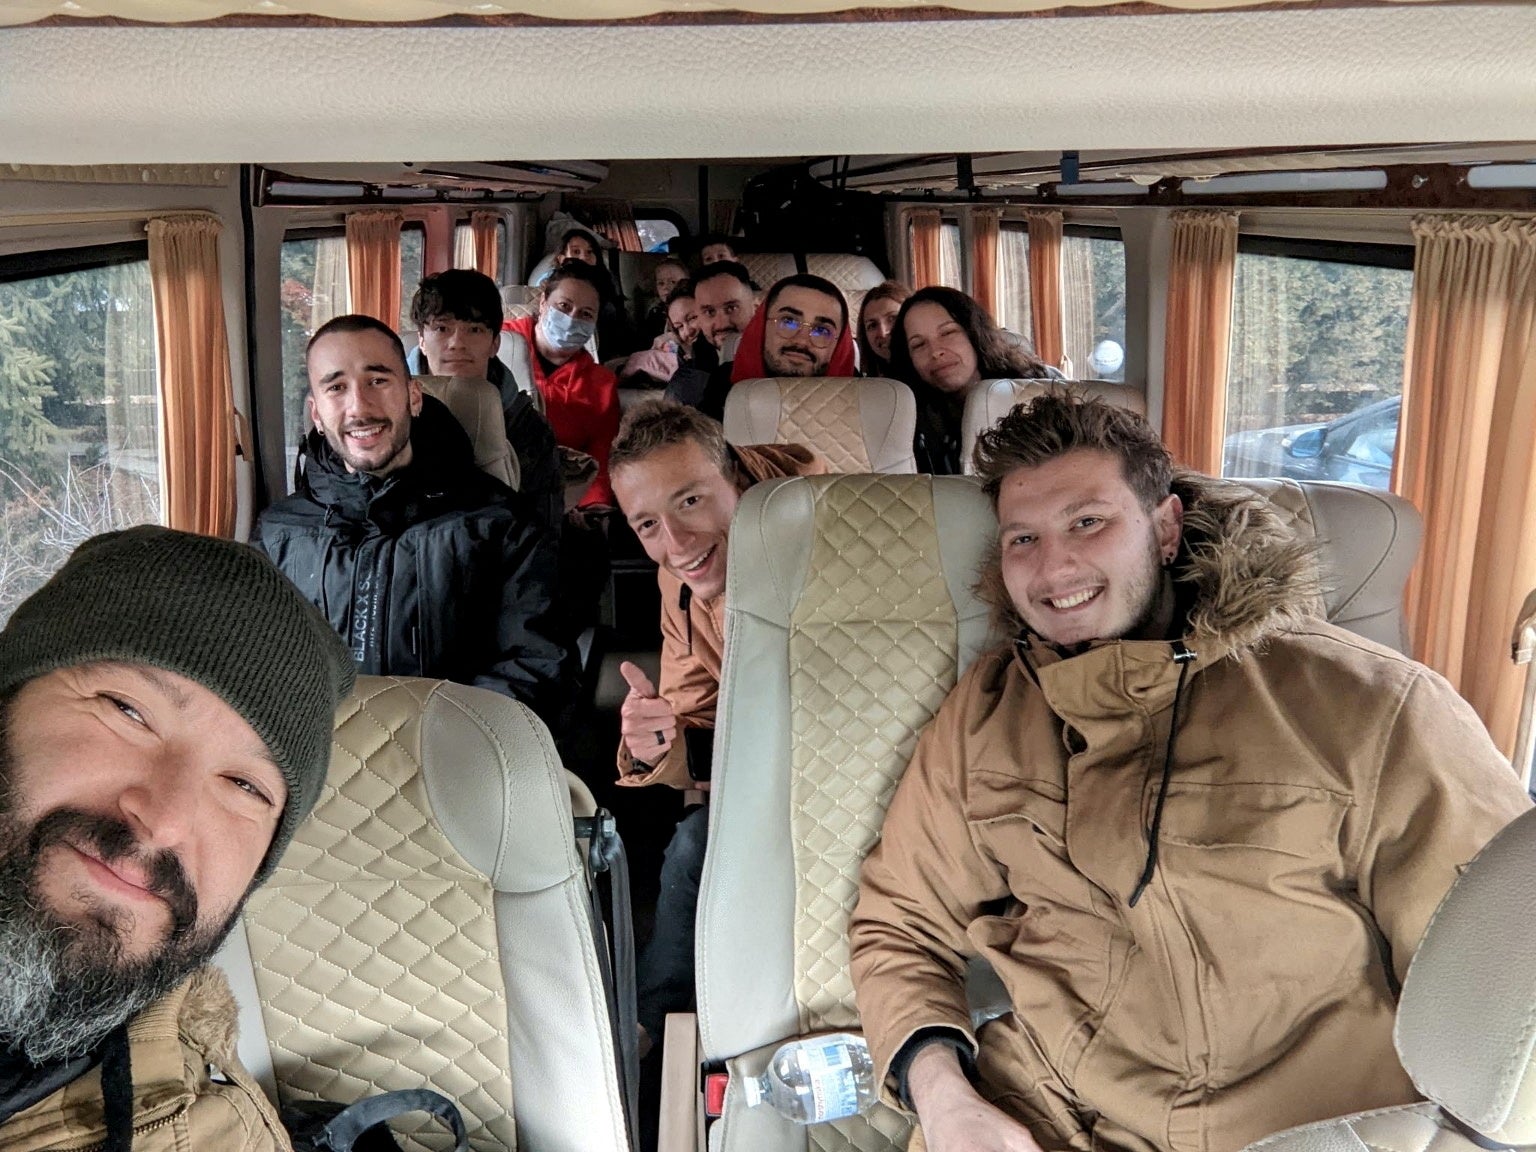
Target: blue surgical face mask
{"x":564,"y":331}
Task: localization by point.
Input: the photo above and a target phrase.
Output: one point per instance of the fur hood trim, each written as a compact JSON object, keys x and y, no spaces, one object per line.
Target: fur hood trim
{"x":1249,"y":574}
{"x":209,"y":1018}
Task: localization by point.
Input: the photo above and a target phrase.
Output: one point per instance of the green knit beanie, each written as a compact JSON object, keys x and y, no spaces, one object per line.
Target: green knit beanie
{"x":214,"y":611}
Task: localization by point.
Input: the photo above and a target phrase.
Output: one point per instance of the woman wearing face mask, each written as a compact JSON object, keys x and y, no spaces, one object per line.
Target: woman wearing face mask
{"x":581,"y":399}
{"x":877,"y":316}
{"x":615,"y":334}
{"x":944,"y":342}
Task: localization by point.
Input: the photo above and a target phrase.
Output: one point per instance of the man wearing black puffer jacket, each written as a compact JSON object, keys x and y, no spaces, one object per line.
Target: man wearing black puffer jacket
{"x":424,"y":564}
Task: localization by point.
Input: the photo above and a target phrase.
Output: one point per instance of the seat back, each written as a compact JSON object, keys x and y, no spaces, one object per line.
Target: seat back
{"x":476,"y":405}
{"x":428,"y":927}
{"x":1367,"y":543}
{"x":856,"y":424}
{"x":850,"y":614}
{"x":990,"y":400}
{"x":1466,"y":1020}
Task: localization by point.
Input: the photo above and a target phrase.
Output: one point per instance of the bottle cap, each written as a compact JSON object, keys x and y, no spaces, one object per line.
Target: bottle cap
{"x":752,"y":1088}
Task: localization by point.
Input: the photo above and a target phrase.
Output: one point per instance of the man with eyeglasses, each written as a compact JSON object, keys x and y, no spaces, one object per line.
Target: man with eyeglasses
{"x":800,"y":330}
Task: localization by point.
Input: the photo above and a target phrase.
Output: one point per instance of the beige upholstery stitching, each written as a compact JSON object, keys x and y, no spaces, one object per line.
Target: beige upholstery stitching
{"x":852,"y":648}
{"x":551,"y":773}
{"x":375,"y":944}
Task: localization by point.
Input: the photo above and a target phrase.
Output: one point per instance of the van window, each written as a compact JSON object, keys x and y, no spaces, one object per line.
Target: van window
{"x":79,"y":407}
{"x":314,"y":289}
{"x":413,"y":244}
{"x":951,"y":268}
{"x":1315,"y":385}
{"x":656,"y":233}
{"x":1093,"y":302}
{"x":1013,"y":278}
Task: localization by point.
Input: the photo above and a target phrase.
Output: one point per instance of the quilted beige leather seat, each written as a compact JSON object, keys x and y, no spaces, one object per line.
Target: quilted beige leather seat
{"x":856,"y":424}
{"x":1368,"y":541}
{"x":1466,"y":1021}
{"x":477,"y":405}
{"x":429,"y":927}
{"x":990,"y":400}
{"x":850,"y":614}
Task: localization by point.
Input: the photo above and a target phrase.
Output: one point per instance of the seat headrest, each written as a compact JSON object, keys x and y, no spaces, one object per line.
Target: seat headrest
{"x":495,"y":785}
{"x":1466,"y":1022}
{"x":989,"y":401}
{"x":476,"y":404}
{"x":1367,"y":544}
{"x":856,"y":424}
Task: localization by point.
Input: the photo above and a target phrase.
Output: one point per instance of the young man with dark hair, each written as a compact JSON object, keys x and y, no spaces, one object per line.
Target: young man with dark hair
{"x":678,"y":483}
{"x":1196,"y":830}
{"x":801,"y":329}
{"x":726,"y":298}
{"x":167,"y":704}
{"x":424,"y":564}
{"x":458,"y":316}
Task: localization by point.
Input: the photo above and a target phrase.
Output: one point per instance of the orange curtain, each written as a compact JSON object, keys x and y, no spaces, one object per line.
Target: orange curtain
{"x":196,"y":396}
{"x":483,"y":227}
{"x":1045,"y":283}
{"x":1466,"y":457}
{"x":373,"y":264}
{"x":1199,"y":336}
{"x":984,"y":229}
{"x":926,"y":224}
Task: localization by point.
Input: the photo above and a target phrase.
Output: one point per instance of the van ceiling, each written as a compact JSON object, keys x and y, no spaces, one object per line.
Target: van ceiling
{"x":1249,"y":79}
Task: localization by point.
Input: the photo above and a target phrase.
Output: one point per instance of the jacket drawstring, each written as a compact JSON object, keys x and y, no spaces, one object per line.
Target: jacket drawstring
{"x":1183,"y":657}
{"x":117,"y":1090}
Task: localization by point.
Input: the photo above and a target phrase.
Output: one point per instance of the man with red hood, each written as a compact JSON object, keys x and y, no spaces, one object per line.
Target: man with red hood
{"x":800,"y":330}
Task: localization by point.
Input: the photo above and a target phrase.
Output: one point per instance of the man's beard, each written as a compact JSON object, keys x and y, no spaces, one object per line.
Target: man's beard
{"x":64,"y":985}
{"x":400,"y":436}
{"x":780,"y":365}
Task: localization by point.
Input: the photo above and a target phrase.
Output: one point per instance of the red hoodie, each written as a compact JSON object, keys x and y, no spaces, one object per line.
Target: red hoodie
{"x":581,"y":402}
{"x":749,"y":353}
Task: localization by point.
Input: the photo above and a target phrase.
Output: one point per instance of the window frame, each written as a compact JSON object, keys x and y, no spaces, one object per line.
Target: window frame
{"x":34,"y":265}
{"x":671,"y":216}
{"x":1397,"y":256}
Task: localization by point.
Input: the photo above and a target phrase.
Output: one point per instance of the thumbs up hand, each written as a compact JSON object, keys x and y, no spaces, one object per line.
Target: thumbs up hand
{"x":646,"y":721}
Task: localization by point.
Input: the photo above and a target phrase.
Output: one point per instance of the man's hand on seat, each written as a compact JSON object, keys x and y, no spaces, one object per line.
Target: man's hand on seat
{"x":954,"y":1116}
{"x":646,"y":720}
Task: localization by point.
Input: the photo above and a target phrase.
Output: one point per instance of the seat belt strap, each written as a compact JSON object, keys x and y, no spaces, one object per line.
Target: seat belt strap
{"x":605,"y":853}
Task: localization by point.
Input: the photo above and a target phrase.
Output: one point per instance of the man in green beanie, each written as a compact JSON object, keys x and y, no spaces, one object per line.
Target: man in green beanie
{"x":166,"y":704}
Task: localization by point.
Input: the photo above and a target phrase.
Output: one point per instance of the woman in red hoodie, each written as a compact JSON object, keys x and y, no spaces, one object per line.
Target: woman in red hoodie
{"x":581,"y":397}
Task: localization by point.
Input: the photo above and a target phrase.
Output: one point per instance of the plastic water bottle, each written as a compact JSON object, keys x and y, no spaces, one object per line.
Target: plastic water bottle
{"x":816,"y":1080}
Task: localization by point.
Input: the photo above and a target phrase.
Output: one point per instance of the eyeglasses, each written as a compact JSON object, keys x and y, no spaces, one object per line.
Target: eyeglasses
{"x":819,"y":335}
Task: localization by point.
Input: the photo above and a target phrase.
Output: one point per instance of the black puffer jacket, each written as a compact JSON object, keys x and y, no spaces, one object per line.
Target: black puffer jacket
{"x":436,"y":569}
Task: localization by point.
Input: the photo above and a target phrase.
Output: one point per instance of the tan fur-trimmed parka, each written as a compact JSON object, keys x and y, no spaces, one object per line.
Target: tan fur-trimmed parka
{"x":1323,"y":792}
{"x":177,"y":1046}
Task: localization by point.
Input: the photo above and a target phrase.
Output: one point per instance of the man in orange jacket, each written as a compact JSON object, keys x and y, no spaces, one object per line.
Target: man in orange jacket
{"x":678,"y":483}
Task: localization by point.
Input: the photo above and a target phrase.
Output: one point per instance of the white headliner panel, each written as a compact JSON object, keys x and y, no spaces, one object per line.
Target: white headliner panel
{"x":1189,"y":80}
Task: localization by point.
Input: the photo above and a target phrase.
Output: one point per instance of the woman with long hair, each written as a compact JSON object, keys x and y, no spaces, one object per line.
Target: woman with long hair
{"x":877,"y":318}
{"x":942,"y":344}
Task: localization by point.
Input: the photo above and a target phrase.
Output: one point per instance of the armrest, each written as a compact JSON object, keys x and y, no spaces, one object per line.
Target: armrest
{"x":681,"y":1124}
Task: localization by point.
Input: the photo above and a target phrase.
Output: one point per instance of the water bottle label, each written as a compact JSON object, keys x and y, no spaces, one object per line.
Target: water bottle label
{"x":834,"y":1091}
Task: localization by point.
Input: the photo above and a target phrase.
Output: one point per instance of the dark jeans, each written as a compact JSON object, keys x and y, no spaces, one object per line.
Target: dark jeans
{"x":666,"y":966}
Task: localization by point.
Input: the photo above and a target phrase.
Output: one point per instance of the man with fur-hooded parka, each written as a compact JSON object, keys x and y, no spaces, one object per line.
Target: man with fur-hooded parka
{"x":1321,"y":794}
